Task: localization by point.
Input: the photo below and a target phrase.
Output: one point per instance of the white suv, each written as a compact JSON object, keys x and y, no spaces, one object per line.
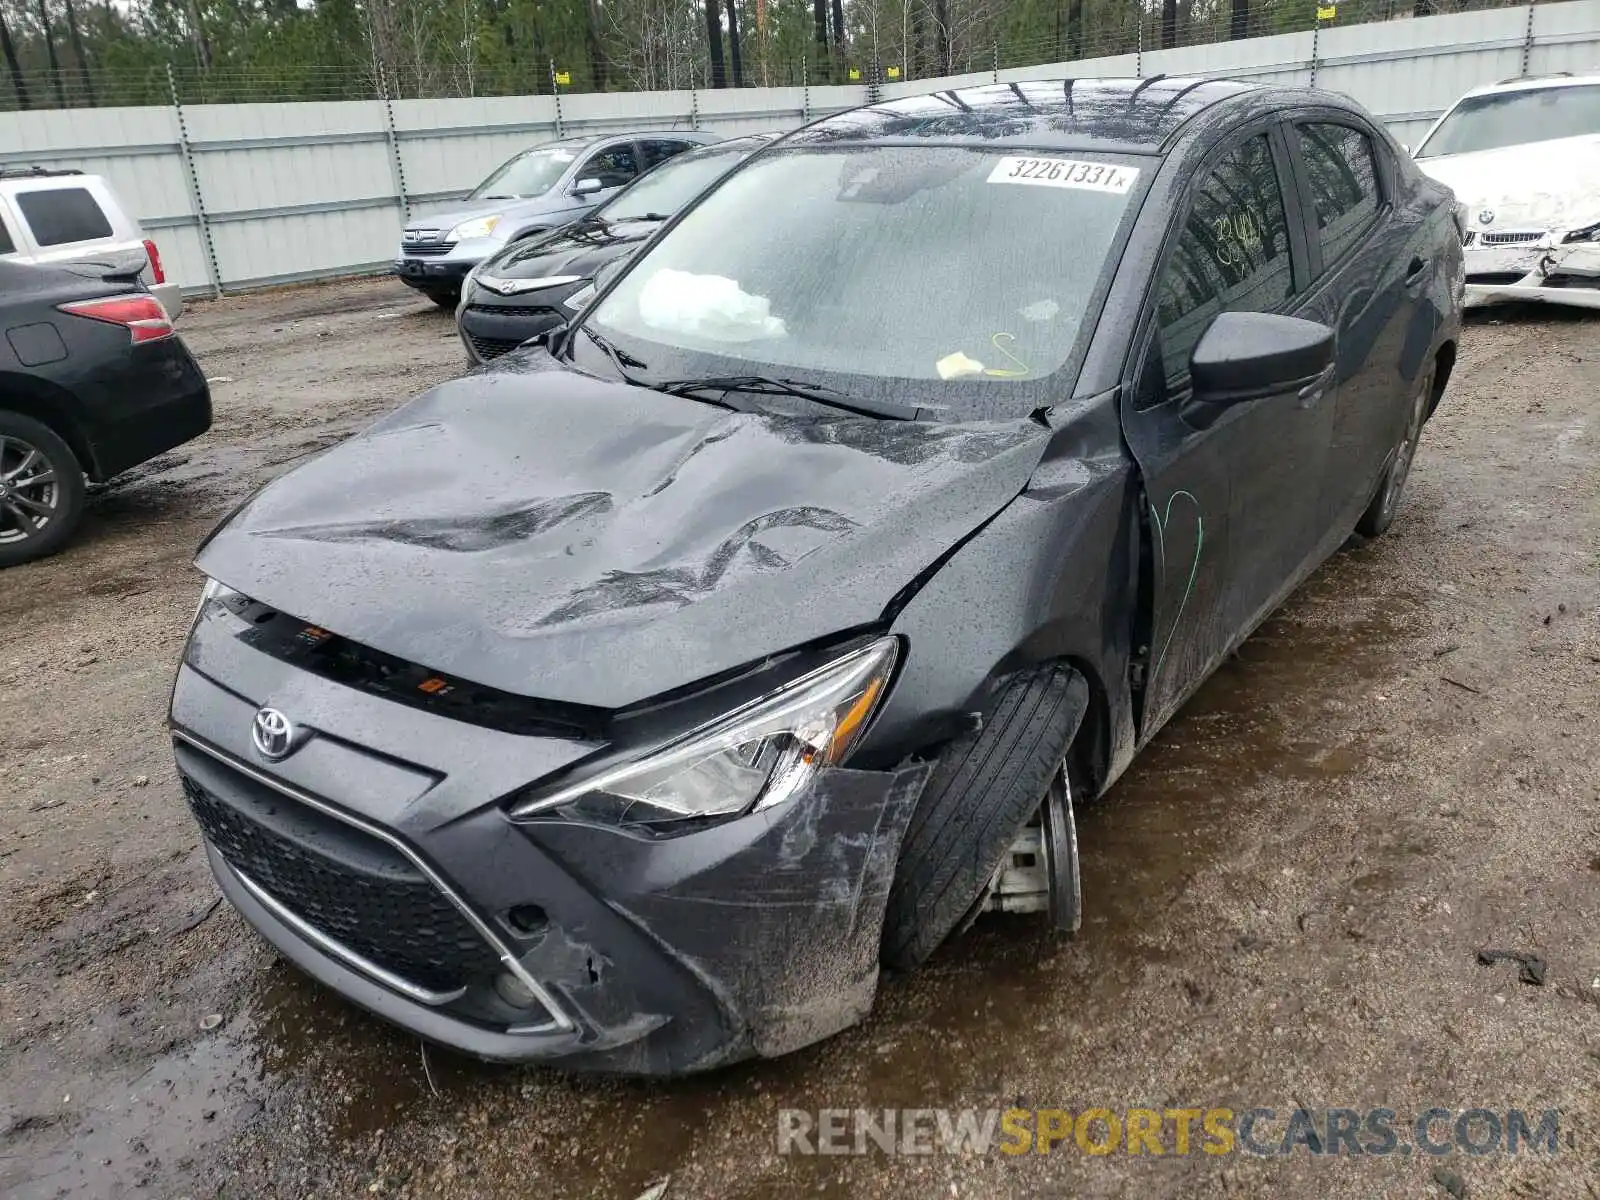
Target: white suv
{"x":67,"y":217}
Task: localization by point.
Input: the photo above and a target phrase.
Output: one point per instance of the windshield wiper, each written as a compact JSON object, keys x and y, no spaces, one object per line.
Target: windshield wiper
{"x":620,"y":359}
{"x":767,"y":385}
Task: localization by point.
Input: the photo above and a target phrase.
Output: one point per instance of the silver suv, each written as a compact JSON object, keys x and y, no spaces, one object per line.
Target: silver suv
{"x":61,"y":217}
{"x":540,"y":189}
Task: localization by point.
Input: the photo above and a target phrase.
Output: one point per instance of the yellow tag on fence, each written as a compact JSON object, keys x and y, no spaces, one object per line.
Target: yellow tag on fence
{"x":564,"y":78}
{"x":1328,"y":13}
{"x":893,"y":72}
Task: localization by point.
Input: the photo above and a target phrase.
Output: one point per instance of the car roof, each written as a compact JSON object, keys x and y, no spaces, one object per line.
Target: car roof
{"x":1129,"y":115}
{"x":1534,"y":83}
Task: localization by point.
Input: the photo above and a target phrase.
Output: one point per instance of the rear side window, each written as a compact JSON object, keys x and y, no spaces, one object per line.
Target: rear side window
{"x":1233,"y":254}
{"x":1343,"y":174}
{"x":61,"y":216}
{"x":658,"y":151}
{"x":7,"y":246}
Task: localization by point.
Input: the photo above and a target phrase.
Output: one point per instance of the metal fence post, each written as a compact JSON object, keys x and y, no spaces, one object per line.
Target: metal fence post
{"x":1316,"y":28}
{"x":196,"y":196}
{"x":555,"y":90}
{"x":805,"y":92}
{"x":1138,"y":54}
{"x":994,"y":51}
{"x":694,"y":108}
{"x":396,"y":163}
{"x":1527,"y":42}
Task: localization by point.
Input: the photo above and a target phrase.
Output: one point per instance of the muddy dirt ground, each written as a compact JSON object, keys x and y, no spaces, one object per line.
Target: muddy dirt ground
{"x":1285,"y":894}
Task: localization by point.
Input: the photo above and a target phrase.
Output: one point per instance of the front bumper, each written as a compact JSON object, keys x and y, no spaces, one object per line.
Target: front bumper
{"x":752,"y":938}
{"x":1543,"y":270}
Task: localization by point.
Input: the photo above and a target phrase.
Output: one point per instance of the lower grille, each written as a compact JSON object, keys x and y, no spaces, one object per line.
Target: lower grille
{"x":491,"y":347}
{"x":426,"y":250}
{"x":516,"y":310}
{"x":1495,"y":278}
{"x":353,"y":888}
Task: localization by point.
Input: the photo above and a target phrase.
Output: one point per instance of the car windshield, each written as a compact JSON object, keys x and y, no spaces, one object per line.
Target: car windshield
{"x":531,"y":173}
{"x":1515,"y":118}
{"x":672,"y":185}
{"x":907,"y":271}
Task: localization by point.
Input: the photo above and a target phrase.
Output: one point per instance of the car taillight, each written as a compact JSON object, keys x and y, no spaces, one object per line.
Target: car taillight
{"x":142,"y":316}
{"x":156,"y":273}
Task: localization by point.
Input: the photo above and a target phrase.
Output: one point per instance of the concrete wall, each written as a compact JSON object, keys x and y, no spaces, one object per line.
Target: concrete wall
{"x":244,"y":195}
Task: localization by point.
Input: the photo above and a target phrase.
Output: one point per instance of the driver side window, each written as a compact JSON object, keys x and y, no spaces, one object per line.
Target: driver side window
{"x":1233,"y":254}
{"x":613,"y":166}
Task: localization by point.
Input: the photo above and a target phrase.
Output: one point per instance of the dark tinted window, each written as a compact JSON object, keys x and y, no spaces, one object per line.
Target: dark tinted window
{"x":613,"y":166}
{"x":1344,"y":184}
{"x":59,"y":216}
{"x":658,"y":151}
{"x":6,"y":244}
{"x":1233,"y":254}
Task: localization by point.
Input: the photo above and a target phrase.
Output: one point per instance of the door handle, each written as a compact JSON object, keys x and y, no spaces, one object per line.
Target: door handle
{"x":1415,"y":272}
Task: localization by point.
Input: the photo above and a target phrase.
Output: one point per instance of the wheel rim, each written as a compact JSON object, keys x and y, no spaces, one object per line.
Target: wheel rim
{"x":1405,"y":453}
{"x":30,"y":493}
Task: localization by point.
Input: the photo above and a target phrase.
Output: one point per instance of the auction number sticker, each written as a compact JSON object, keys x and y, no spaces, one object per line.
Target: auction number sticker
{"x":1065,"y":173}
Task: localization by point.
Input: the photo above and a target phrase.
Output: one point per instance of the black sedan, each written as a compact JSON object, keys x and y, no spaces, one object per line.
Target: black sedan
{"x":534,"y":285}
{"x":92,"y":381}
{"x":626,"y":707}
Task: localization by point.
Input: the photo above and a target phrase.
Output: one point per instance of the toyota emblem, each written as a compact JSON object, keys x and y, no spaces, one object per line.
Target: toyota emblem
{"x":1486,"y":216}
{"x":272,"y":733}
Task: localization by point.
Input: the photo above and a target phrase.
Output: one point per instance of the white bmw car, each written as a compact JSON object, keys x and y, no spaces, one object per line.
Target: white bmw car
{"x":1523,"y":158}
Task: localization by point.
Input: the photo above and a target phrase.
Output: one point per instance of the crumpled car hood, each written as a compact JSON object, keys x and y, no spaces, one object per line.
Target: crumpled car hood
{"x":584,"y":541}
{"x":1552,"y":185}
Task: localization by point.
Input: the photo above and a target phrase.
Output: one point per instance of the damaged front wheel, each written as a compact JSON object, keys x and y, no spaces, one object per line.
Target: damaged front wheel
{"x":983,"y":795}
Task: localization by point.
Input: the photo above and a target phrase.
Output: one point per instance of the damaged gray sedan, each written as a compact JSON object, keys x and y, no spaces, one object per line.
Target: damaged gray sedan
{"x":625,"y":706}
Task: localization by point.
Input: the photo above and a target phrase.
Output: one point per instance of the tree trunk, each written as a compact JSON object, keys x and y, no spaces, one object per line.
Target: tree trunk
{"x":917,"y":68}
{"x":50,"y":49}
{"x":719,"y":72}
{"x":941,"y":37}
{"x":819,"y":19}
{"x":597,"y":53}
{"x":1169,"y":24}
{"x":734,"y":51}
{"x":10,"y":51}
{"x":202,"y":46}
{"x":838,"y":24}
{"x":1074,"y":28}
{"x":76,"y":35}
{"x":1422,"y":8}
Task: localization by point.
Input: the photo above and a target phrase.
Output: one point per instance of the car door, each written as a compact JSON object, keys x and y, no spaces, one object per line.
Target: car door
{"x":1229,"y":490}
{"x":1370,"y":264}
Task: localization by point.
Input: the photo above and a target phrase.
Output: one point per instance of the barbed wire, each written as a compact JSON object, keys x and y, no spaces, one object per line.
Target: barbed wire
{"x":1136,"y":30}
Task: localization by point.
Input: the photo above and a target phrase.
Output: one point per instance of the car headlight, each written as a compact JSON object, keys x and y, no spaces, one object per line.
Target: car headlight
{"x":1587,"y":233}
{"x":579,"y":298}
{"x":756,"y":757}
{"x":478,"y":227}
{"x":212,"y":591}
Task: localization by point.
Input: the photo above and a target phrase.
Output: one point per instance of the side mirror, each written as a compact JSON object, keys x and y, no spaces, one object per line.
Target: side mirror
{"x":588,"y":187}
{"x":550,"y":338}
{"x":1249,"y":355}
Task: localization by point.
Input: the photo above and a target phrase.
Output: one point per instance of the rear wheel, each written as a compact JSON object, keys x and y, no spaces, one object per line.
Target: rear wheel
{"x":41,"y":490}
{"x":1380,"y":513}
{"x":986,"y":788}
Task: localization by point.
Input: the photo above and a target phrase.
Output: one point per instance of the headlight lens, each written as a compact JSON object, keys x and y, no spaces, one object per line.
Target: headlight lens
{"x":1588,"y":233}
{"x":212,"y":591}
{"x":478,"y":227}
{"x":756,"y":757}
{"x":579,"y":298}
